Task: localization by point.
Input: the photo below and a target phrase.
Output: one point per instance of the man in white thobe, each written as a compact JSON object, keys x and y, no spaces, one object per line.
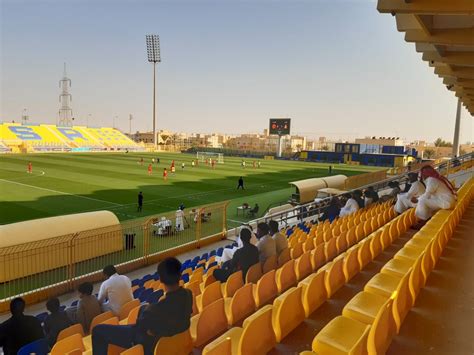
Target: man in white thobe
{"x":405,"y":200}
{"x":350,"y":207}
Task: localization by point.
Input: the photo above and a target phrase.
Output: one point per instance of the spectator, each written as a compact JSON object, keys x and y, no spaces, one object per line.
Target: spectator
{"x":19,"y":329}
{"x":350,"y":207}
{"x":170,"y":316}
{"x":115,"y":291}
{"x":357,"y":195}
{"x":371,"y":196}
{"x":439,"y":194}
{"x":242,"y":259}
{"x":333,"y":210}
{"x":266,"y":245}
{"x":88,"y":306}
{"x":56,"y":321}
{"x":405,"y":199}
{"x":280,"y":240}
{"x":395,"y":190}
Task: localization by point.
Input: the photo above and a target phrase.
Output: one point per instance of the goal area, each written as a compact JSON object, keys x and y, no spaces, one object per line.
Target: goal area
{"x":203,"y":156}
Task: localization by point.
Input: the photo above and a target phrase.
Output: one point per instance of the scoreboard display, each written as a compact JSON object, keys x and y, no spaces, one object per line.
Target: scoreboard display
{"x":280,"y":126}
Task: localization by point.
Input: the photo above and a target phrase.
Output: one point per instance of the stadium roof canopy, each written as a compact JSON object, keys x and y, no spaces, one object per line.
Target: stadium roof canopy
{"x":443,"y":30}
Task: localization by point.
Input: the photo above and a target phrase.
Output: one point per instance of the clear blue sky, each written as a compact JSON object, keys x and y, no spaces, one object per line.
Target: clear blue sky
{"x":338,"y":68}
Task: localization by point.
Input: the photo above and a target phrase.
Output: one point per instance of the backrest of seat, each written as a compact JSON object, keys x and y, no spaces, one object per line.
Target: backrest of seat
{"x":403,"y":300}
{"x":376,"y":244}
{"x":284,"y":256}
{"x":330,"y":249}
{"x":351,"y":236}
{"x":367,"y":227}
{"x":285,"y":276}
{"x":416,"y":280}
{"x":73,"y":329}
{"x":111,"y":321}
{"x":242,"y":304}
{"x":234,"y":282}
{"x":258,"y":336}
{"x":127,"y":307}
{"x":68,"y":344}
{"x":212,"y":321}
{"x":313,"y":292}
{"x":303,"y":266}
{"x":197,"y":275}
{"x":211,"y":293}
{"x":179,"y":344}
{"x":134,"y":350}
{"x":364,"y":255}
{"x":270,"y":264}
{"x":39,"y":346}
{"x":335,"y":276}
{"x":296,"y":251}
{"x":254,"y":273}
{"x":382,"y":330}
{"x":318,"y":239}
{"x":308,"y":245}
{"x":221,"y":347}
{"x":266,"y":288}
{"x":99,"y":319}
{"x":341,"y":242}
{"x":359,"y":231}
{"x":194,"y":286}
{"x":351,"y":264}
{"x":318,"y":257}
{"x":385,"y":237}
{"x":133,"y":315}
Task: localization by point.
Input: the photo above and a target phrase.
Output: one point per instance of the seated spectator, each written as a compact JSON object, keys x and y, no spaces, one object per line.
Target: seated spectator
{"x":87,"y":308}
{"x":19,"y":329}
{"x":395,"y":190}
{"x":253,"y":212}
{"x":439,"y":194}
{"x":406,"y":200}
{"x":333,"y":210}
{"x":56,"y":321}
{"x":371,"y":196}
{"x":350,"y":207}
{"x":280,"y":240}
{"x":169,"y":316}
{"x":228,"y":253}
{"x":266,"y":245}
{"x":243,"y":258}
{"x":115,"y":291}
{"x":357,"y":195}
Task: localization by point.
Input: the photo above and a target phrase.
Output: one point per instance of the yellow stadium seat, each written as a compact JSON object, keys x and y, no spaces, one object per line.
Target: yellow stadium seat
{"x":233,"y":283}
{"x":285,"y":276}
{"x":303,"y":266}
{"x":134,"y":350}
{"x":211,"y":293}
{"x":179,"y":344}
{"x":308,"y":245}
{"x":318,"y":239}
{"x":364,"y":307}
{"x":132,"y":316}
{"x":127,"y":307}
{"x":209,"y":323}
{"x":241,"y":305}
{"x":266,"y":289}
{"x":382,"y":330}
{"x":254,"y":273}
{"x":296,"y":251}
{"x":376,"y":246}
{"x":256,"y":336}
{"x":75,"y":352}
{"x":342,"y":336}
{"x":100,"y":319}
{"x":351,"y":236}
{"x":73,"y":329}
{"x":270,"y":264}
{"x":288,"y":312}
{"x":313,"y":292}
{"x":397,"y":267}
{"x":208,"y":278}
{"x":334,"y":277}
{"x":221,"y":347}
{"x":194,"y":287}
{"x":351,"y":266}
{"x":330,"y":249}
{"x":341,"y":243}
{"x":318,"y":258}
{"x":284,"y":257}
{"x":68,"y":344}
{"x":197,"y":275}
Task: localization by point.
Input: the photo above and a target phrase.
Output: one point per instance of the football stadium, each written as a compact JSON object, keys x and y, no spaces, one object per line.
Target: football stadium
{"x":152,"y":240}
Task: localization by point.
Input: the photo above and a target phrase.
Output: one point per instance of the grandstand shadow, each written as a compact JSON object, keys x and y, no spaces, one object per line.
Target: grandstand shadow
{"x":442,"y":319}
{"x":301,"y":338}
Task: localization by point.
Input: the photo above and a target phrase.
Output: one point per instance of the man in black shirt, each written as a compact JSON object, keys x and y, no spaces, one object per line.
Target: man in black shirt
{"x":140,"y":202}
{"x":170,"y":316}
{"x":19,"y":329}
{"x":55,"y":322}
{"x":241,"y":183}
{"x":243,"y":258}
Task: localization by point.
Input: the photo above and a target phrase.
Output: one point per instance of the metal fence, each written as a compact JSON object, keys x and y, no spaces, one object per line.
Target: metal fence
{"x":40,"y":269}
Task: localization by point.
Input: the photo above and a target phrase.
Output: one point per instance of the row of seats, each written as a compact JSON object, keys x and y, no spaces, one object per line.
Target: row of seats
{"x":372,"y":317}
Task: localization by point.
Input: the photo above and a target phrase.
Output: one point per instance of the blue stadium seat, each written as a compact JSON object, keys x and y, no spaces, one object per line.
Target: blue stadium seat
{"x":185,"y":278}
{"x":205,"y":256}
{"x":42,"y":316}
{"x":214,"y":263}
{"x":212,"y":253}
{"x":135,"y":282}
{"x":145,"y":294}
{"x":138,"y":292}
{"x":38,"y":347}
{"x":155,"y":296}
{"x":74,"y":303}
{"x":220,"y":251}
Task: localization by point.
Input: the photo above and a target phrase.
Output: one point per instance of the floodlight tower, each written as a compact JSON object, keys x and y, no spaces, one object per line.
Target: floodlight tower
{"x":65,"y":98}
{"x":153,"y":51}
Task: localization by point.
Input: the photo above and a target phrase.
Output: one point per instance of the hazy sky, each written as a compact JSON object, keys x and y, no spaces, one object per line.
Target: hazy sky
{"x":337,"y":68}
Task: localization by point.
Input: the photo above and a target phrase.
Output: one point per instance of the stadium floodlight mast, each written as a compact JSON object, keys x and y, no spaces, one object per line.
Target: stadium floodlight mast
{"x":153,"y":51}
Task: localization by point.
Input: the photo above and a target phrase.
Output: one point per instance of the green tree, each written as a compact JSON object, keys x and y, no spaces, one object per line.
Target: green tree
{"x":429,"y":154}
{"x":442,"y":143}
{"x":325,"y":147}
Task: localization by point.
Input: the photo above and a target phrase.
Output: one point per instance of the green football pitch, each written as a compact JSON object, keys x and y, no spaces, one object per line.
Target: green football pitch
{"x":72,"y":183}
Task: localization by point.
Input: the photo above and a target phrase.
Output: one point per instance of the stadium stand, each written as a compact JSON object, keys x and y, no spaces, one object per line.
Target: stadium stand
{"x":45,"y":138}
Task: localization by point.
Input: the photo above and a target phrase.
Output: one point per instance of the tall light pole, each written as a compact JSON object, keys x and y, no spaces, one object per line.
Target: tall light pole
{"x":153,"y":51}
{"x":130,"y":118}
{"x":115,"y":117}
{"x":24,"y":116}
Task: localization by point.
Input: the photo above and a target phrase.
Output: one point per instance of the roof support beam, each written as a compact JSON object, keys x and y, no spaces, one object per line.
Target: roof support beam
{"x":448,"y":37}
{"x":428,"y":7}
{"x":467,"y":73}
{"x":452,"y":58}
{"x":467,"y":83}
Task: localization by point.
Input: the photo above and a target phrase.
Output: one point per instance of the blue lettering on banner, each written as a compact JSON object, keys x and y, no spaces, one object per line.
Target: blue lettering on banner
{"x":71,"y":134}
{"x":25,"y":133}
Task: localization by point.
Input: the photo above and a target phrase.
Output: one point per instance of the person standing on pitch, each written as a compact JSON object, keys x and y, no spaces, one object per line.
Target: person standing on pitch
{"x":140,"y":202}
{"x":30,"y":168}
{"x":241,"y":183}
{"x":182,"y":166}
{"x":165,"y":174}
{"x":150,"y":169}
